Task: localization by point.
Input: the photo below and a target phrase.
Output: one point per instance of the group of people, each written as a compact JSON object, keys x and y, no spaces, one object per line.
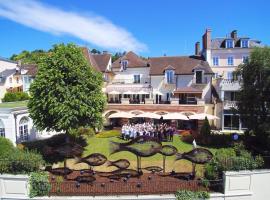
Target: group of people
{"x":161,"y":131}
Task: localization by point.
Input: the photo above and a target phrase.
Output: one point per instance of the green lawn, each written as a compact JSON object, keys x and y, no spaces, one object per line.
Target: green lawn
{"x":101,"y":145}
{"x":13,"y":104}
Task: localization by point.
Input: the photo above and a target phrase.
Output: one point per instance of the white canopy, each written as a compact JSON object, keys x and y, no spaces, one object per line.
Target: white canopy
{"x":142,"y":92}
{"x":177,"y":116}
{"x":129,"y":92}
{"x":114,"y":92}
{"x":148,"y":115}
{"x":158,"y":93}
{"x":121,"y":115}
{"x":202,"y":116}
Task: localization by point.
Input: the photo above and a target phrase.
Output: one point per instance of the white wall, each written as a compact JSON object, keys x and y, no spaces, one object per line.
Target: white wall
{"x":130,"y":72}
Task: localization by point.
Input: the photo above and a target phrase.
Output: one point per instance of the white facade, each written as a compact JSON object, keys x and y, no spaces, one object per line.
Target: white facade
{"x":17,"y":126}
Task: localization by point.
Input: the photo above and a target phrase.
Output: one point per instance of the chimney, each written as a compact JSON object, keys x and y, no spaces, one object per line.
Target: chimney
{"x":197,"y":48}
{"x":234,"y":34}
{"x":207,"y":39}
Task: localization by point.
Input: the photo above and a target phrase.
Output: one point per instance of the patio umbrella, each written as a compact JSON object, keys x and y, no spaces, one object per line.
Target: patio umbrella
{"x":148,"y":115}
{"x":201,"y":116}
{"x":176,"y":116}
{"x":114,"y":92}
{"x":121,"y":115}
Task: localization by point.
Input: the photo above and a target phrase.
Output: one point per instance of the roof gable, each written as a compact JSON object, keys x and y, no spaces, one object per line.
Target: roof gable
{"x":133,"y":61}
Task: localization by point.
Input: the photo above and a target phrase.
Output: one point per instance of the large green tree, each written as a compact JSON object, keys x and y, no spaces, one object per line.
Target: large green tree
{"x":254,"y":98}
{"x":66,"y":93}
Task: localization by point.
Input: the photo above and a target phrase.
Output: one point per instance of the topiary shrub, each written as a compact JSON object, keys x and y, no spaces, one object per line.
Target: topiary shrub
{"x":15,"y":96}
{"x":191,"y":195}
{"x":6,"y":147}
{"x":39,"y":184}
{"x":21,"y":162}
{"x":206,"y":129}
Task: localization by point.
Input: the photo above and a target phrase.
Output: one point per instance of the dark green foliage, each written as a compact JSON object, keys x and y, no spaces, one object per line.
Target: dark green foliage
{"x":95,"y":51}
{"x":39,"y":184}
{"x":254,"y":98}
{"x":15,"y":96}
{"x":6,"y":147}
{"x":83,"y":131}
{"x":21,"y":162}
{"x":66,"y":93}
{"x":206,"y":129}
{"x":231,"y":159}
{"x":45,"y":147}
{"x":191,"y":195}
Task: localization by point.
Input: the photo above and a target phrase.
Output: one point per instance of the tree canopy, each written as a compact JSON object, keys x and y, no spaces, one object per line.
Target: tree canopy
{"x":27,"y":57}
{"x":66,"y":93}
{"x":254,"y":97}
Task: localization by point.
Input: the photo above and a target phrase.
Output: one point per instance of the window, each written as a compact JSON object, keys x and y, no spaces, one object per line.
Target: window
{"x":229,"y":43}
{"x":137,"y":78}
{"x":231,"y":122}
{"x":124,"y":64}
{"x":199,"y":77}
{"x":230,"y":60}
{"x":2,"y":129}
{"x":10,"y":80}
{"x":245,"y":59}
{"x":169,"y":75}
{"x":244,"y":43}
{"x":25,"y":79}
{"x":17,"y":80}
{"x":230,"y":75}
{"x":215,"y":61}
{"x":23,"y":129}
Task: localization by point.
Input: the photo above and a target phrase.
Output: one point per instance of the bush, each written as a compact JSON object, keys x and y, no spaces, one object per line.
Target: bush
{"x":83,"y":131}
{"x":206,"y":129}
{"x":108,"y":134}
{"x":39,"y":184}
{"x":231,"y":159}
{"x":21,"y":162}
{"x":15,"y":96}
{"x":6,"y":147}
{"x":190,"y":195}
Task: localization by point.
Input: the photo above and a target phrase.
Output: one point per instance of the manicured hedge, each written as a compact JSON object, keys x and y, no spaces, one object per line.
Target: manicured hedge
{"x":6,"y":147}
{"x":21,"y":162}
{"x":15,"y":96}
{"x":39,"y":184}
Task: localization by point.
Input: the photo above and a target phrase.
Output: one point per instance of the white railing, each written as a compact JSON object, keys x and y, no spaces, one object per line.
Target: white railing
{"x":229,"y":104}
{"x":230,"y":84}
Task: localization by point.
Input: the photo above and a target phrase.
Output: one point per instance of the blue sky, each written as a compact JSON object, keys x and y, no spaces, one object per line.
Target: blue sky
{"x":148,"y":27}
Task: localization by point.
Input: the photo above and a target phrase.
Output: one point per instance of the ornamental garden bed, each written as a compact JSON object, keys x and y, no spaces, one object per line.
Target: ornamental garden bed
{"x":148,"y":183}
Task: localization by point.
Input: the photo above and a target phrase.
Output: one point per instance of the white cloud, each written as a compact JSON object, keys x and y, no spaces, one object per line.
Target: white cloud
{"x":92,"y":29}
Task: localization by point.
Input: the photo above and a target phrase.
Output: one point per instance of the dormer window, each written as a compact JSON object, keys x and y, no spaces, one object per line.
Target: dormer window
{"x":244,"y":43}
{"x":169,"y":76}
{"x":229,"y":43}
{"x":124,"y":65}
{"x":199,"y":76}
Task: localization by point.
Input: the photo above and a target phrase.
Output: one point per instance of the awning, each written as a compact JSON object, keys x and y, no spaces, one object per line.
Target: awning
{"x":121,"y":115}
{"x":202,"y":116}
{"x":114,"y":92}
{"x":142,"y":92}
{"x":158,"y":93}
{"x":176,"y":116}
{"x":148,"y":115}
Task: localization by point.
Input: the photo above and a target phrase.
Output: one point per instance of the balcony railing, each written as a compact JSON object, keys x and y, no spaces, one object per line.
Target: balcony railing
{"x":131,"y":81}
{"x":230,"y":84}
{"x":173,"y":101}
{"x":229,"y":104}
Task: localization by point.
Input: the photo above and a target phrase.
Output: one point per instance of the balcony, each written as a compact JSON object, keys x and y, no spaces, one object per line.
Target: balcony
{"x":227,"y":105}
{"x":130,"y":81}
{"x":230,"y":85}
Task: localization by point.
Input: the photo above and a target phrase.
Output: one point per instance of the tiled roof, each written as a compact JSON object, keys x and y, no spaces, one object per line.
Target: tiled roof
{"x":31,"y":69}
{"x":97,"y":61}
{"x":133,"y":61}
{"x":181,"y":64}
{"x":219,"y":43}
